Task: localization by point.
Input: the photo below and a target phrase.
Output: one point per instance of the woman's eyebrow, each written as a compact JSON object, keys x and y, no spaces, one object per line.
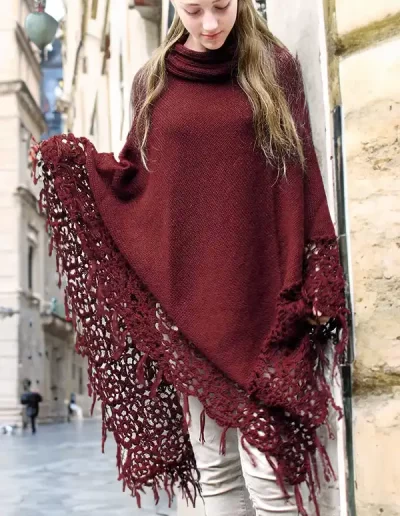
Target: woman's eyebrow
{"x":197,"y":5}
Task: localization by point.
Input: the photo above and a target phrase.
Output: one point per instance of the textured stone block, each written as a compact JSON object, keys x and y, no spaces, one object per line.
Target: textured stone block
{"x":358,"y":13}
{"x":377,"y":437}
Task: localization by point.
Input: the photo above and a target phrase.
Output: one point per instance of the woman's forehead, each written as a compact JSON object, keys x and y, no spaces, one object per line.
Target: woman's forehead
{"x":197,"y":3}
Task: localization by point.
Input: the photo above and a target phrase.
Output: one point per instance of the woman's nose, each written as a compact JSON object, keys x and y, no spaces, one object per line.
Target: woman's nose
{"x":210,"y":23}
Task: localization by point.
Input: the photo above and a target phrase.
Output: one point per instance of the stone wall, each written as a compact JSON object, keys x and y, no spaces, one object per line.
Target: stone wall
{"x":369,"y":73}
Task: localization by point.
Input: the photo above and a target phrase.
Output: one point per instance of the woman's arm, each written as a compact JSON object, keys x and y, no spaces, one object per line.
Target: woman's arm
{"x":121,"y":175}
{"x":323,"y":286}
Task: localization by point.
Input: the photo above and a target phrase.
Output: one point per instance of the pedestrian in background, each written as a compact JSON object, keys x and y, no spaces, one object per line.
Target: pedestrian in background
{"x":31,"y":399}
{"x":71,"y":405}
{"x":203,"y":269}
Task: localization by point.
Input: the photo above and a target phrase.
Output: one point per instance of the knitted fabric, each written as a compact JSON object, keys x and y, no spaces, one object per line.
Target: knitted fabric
{"x":198,"y":277}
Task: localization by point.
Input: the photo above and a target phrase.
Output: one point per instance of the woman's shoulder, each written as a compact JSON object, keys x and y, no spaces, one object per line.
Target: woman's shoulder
{"x":286,"y":65}
{"x":287,"y":71}
{"x":138,"y":80}
{"x":138,"y":91}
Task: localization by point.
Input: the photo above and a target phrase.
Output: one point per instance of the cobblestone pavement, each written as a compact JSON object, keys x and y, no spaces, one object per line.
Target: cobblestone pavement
{"x":61,"y":471}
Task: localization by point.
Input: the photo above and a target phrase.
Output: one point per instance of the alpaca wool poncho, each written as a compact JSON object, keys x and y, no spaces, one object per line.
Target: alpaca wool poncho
{"x":198,"y":277}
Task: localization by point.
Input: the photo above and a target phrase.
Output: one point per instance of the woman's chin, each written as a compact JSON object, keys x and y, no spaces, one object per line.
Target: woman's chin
{"x":213,"y":44}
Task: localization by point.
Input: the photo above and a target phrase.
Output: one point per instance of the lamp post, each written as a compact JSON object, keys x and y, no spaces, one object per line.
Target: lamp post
{"x":40,"y":26}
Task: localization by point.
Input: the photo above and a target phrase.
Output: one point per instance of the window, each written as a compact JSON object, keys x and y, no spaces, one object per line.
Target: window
{"x":171,"y":14}
{"x":31,"y":258}
{"x":94,"y":124}
{"x":25,"y":159}
{"x":261,"y":7}
{"x":84,"y":64}
{"x":31,"y":263}
{"x":80,"y":388}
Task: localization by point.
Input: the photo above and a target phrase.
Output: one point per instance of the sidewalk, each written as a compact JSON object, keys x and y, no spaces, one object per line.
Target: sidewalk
{"x":61,"y":471}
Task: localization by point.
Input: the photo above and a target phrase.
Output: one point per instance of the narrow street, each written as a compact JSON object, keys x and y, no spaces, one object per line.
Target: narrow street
{"x":61,"y":471}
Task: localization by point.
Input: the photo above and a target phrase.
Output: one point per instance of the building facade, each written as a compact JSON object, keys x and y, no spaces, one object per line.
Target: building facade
{"x":364,"y":39}
{"x":36,"y":342}
{"x":105,"y":43}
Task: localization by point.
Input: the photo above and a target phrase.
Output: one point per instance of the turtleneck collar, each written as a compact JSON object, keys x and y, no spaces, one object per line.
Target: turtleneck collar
{"x":209,"y":66}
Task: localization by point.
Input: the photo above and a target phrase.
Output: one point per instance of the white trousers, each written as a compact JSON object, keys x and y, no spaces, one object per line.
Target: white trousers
{"x":233,"y":484}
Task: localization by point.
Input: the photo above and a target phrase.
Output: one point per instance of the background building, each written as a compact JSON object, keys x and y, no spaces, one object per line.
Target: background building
{"x":105,"y":43}
{"x":36,"y":343}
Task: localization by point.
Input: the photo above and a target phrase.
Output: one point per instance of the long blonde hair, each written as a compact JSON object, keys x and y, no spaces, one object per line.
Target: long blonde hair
{"x":275,"y":130}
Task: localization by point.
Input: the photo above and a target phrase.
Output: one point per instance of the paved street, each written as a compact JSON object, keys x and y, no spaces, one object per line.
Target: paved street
{"x":61,"y":471}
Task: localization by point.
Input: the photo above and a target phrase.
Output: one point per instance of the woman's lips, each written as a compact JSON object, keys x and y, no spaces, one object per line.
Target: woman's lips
{"x":212,"y":36}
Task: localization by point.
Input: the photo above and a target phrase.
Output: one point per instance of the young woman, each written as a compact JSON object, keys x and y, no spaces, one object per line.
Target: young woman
{"x":203,"y":272}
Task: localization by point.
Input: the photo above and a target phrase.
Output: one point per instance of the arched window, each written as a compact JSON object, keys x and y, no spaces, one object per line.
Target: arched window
{"x":31,"y":257}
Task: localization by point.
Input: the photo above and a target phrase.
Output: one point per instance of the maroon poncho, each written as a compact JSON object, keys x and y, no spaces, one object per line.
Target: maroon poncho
{"x":199,"y":276}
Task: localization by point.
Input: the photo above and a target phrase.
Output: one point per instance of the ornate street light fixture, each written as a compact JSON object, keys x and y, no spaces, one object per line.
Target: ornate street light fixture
{"x":40,"y":26}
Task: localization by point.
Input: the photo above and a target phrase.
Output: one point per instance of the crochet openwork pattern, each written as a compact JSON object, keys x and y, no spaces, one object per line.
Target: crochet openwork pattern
{"x":140,"y":364}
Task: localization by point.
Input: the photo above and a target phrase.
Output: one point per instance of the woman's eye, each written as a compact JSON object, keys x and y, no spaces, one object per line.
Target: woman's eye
{"x":195,"y":13}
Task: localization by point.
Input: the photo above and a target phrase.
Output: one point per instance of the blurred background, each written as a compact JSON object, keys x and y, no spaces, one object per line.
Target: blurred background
{"x":72,"y":71}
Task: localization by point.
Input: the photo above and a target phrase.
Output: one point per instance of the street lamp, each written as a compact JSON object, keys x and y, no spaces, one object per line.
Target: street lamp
{"x":40,"y":26}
